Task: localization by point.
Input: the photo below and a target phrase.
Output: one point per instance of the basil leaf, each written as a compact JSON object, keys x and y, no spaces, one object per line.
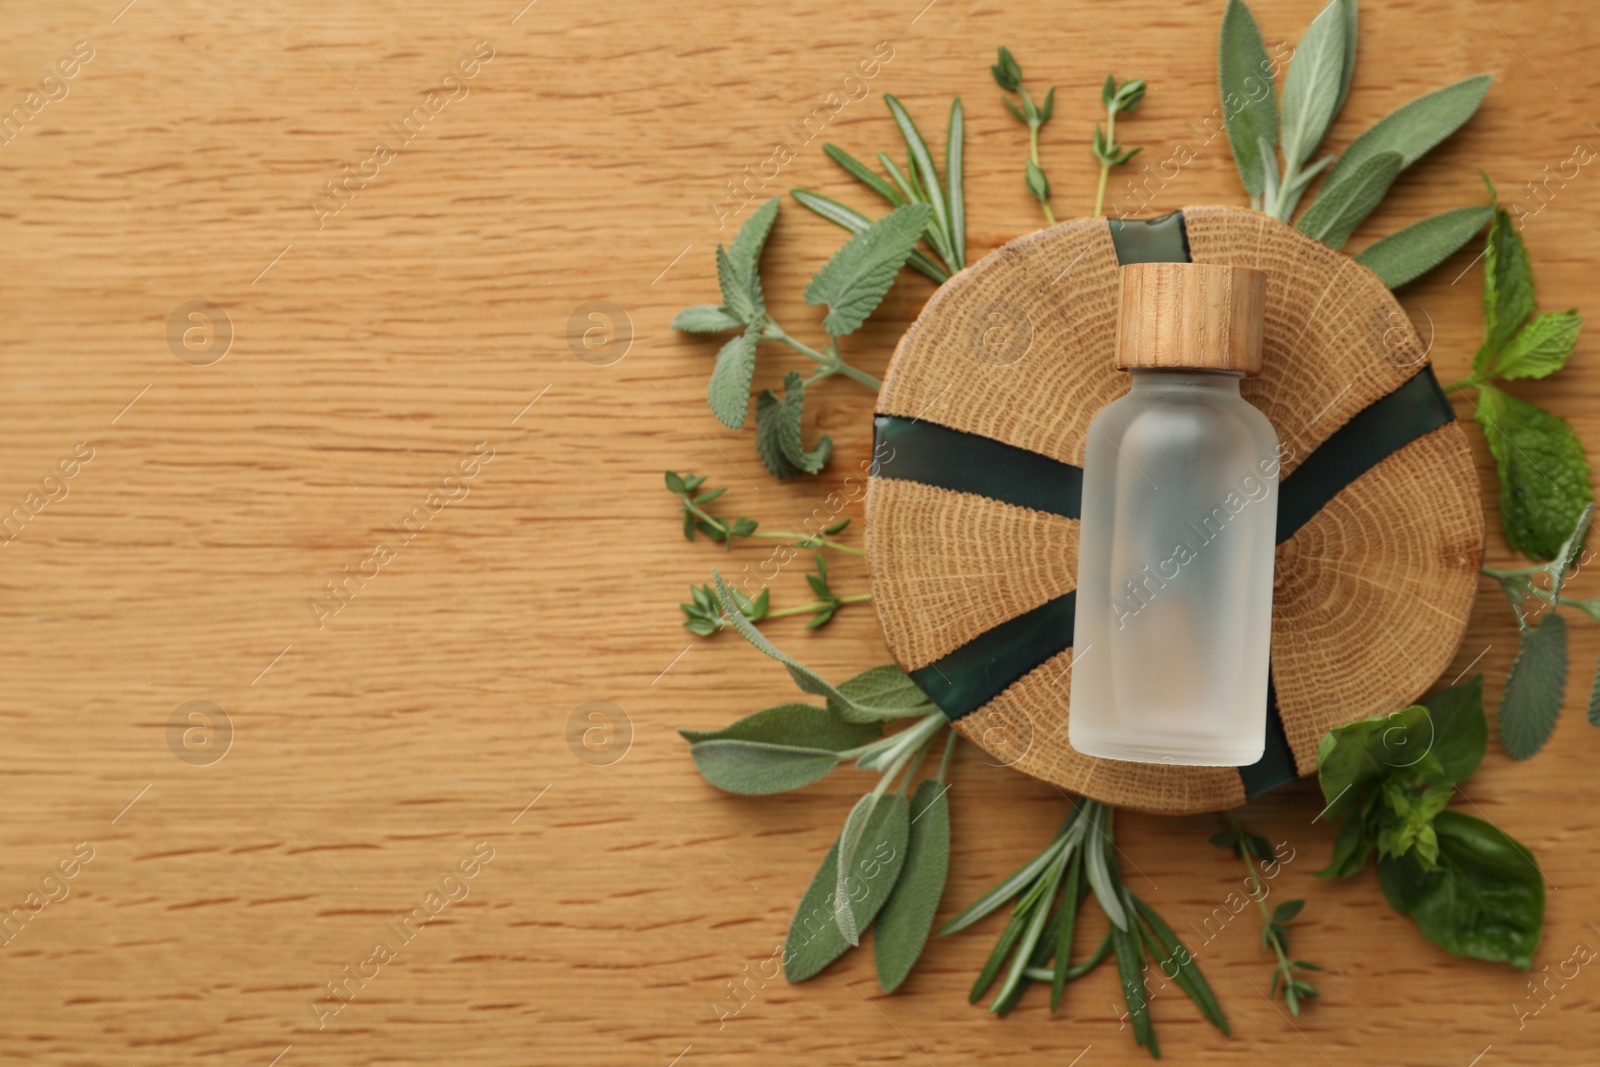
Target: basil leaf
{"x":1414,"y":128}
{"x":851,"y":219}
{"x":1312,"y":88}
{"x":1507,"y":289}
{"x":803,"y":725}
{"x":1249,"y":102}
{"x":858,"y":276}
{"x":1534,"y":688}
{"x":907,"y":917}
{"x":706,"y":318}
{"x":728,"y":391}
{"x":814,"y":939}
{"x":1544,"y":473}
{"x":1485,"y":900}
{"x":1460,"y":731}
{"x":756,"y":768}
{"x":1417,"y":249}
{"x":1540,"y":347}
{"x":1352,"y":760}
{"x":1340,"y":208}
{"x":1350,"y":849}
{"x":886,"y":688}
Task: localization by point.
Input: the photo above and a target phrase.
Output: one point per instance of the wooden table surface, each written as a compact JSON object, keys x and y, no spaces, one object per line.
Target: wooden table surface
{"x":373,"y":748}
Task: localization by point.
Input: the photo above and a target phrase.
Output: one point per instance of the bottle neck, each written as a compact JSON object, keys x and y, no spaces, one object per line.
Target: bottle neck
{"x":1150,"y":380}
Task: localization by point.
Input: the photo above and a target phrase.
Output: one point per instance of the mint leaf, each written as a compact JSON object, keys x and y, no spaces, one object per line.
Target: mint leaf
{"x":706,"y":318}
{"x":778,"y":440}
{"x":1534,"y":688}
{"x":1340,"y":208}
{"x":858,"y":276}
{"x":1544,"y":474}
{"x":728,"y":391}
{"x":1417,"y":249}
{"x":741,"y":288}
{"x":1414,"y":128}
{"x":1540,"y":347}
{"x":1507,"y":289}
{"x":1312,"y":88}
{"x":1249,"y":102}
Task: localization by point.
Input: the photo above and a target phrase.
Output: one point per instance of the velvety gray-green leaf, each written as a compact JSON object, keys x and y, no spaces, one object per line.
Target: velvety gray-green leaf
{"x":858,"y":276}
{"x":804,"y":725}
{"x":1594,"y":698}
{"x":1413,"y":129}
{"x":757,"y":768}
{"x":1534,"y":688}
{"x":1541,"y":347}
{"x":1312,"y":87}
{"x":1484,"y":901}
{"x":771,"y":414}
{"x":789,"y":431}
{"x":741,"y":287}
{"x":706,"y":318}
{"x":814,"y":939}
{"x":752,"y":236}
{"x":1544,"y":473}
{"x":728,"y":391}
{"x":956,"y":199}
{"x":1417,"y":249}
{"x":1249,"y":100}
{"x":855,"y":222}
{"x":886,"y":689}
{"x":1340,"y":208}
{"x":907,"y":917}
{"x":1347,"y":13}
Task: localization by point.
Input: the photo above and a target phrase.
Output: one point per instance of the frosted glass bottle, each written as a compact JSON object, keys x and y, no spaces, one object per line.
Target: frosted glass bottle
{"x":1175,"y":554}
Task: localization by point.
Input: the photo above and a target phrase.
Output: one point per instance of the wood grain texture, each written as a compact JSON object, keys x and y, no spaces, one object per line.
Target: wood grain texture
{"x":374,"y":347}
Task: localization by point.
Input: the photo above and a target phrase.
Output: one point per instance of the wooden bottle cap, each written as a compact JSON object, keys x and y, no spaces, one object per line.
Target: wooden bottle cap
{"x":1200,"y":315}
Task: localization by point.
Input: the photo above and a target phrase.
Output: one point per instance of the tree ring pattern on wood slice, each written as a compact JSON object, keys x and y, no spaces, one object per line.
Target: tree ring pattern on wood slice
{"x":972,"y":507}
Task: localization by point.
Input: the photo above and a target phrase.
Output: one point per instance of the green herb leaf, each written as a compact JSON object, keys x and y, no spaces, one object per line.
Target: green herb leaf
{"x":907,"y":917}
{"x":1350,"y":850}
{"x":1485,"y":900}
{"x":1097,"y":866}
{"x":814,"y":939}
{"x":863,"y":173}
{"x":1188,"y":969}
{"x":1130,"y":970}
{"x":728,"y":392}
{"x":1534,"y":688}
{"x":1507,"y":289}
{"x":1347,"y":13}
{"x":1355,"y":759}
{"x":741,"y":288}
{"x":752,"y":236}
{"x":1007,"y":74}
{"x":886,"y":689}
{"x":1286,"y":911}
{"x":1019,"y":880}
{"x":1413,"y":129}
{"x":778,"y":440}
{"x":955,"y":134}
{"x":1420,"y":247}
{"x":706,"y":318}
{"x":852,"y":220}
{"x":1312,"y":88}
{"x":858,"y":276}
{"x":1540,"y":347}
{"x":1249,"y":103}
{"x":1460,"y":731}
{"x":1066,"y":927}
{"x":1544,"y":474}
{"x":757,"y":768}
{"x":922,"y":168}
{"x":1034,"y":178}
{"x":864,"y":828}
{"x":801,"y":725}
{"x":1594,"y":698}
{"x":1340,"y":208}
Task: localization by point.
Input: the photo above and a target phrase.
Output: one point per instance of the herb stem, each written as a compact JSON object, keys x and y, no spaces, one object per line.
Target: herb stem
{"x":1259,"y":892}
{"x":1105,"y":164}
{"x":1033,"y":154}
{"x":832,"y":362}
{"x":1465,"y":383}
{"x":817,"y":605}
{"x":799,"y":540}
{"x":949,"y":751}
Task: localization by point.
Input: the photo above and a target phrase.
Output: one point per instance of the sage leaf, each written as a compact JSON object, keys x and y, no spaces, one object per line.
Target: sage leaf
{"x":1311,"y":90}
{"x":728,"y":391}
{"x":956,"y":222}
{"x":887,"y":689}
{"x":802,"y":725}
{"x":851,"y":219}
{"x":903,"y":925}
{"x":1594,"y":698}
{"x":858,"y":276}
{"x":863,"y":173}
{"x":1485,"y":899}
{"x":1507,"y":289}
{"x":706,"y":318}
{"x":1540,"y":347}
{"x":778,"y":432}
{"x":1417,"y":249}
{"x":1347,"y":14}
{"x":814,"y":937}
{"x":756,"y":768}
{"x":1415,"y":128}
{"x":1340,"y":208}
{"x":1534,"y":688}
{"x":1544,"y":474}
{"x":1249,"y":102}
{"x":921,"y":168}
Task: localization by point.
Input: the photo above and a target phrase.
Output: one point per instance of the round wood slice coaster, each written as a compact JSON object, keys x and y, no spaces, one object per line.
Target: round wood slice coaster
{"x":972,"y":510}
